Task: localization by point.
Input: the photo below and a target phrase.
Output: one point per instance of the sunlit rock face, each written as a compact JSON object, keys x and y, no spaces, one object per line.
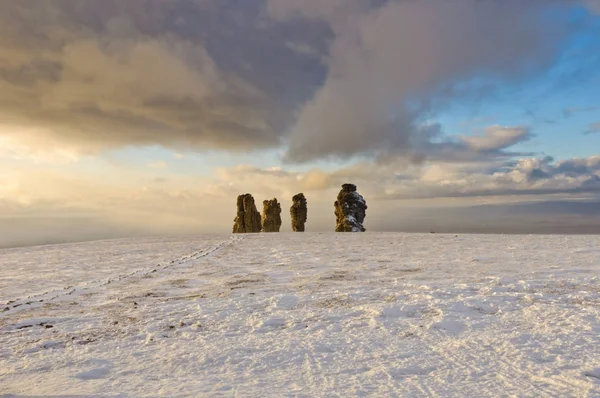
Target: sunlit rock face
{"x":271,"y":217}
{"x":299,"y":212}
{"x":350,"y":210}
{"x":248,"y":218}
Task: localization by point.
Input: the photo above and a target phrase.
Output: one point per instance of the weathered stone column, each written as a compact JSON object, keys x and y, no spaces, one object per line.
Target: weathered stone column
{"x":298,"y":212}
{"x":350,"y":210}
{"x":248,"y":218}
{"x":271,"y":218}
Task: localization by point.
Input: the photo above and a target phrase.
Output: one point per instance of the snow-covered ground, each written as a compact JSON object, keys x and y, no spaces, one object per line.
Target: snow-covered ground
{"x":374,"y":314}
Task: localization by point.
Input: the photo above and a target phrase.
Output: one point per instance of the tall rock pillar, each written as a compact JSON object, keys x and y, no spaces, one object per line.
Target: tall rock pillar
{"x":248,"y":218}
{"x":271,"y":218}
{"x":350,"y":210}
{"x":298,"y":212}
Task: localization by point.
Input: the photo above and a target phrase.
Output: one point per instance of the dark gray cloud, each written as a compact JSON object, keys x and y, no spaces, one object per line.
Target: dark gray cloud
{"x":329,"y":78}
{"x":179,"y":73}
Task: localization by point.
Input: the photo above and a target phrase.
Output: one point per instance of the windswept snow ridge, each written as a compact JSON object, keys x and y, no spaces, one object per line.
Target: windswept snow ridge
{"x":375,"y":314}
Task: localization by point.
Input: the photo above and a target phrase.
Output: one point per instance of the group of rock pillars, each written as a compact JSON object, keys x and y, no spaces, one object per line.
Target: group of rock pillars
{"x":350,"y":211}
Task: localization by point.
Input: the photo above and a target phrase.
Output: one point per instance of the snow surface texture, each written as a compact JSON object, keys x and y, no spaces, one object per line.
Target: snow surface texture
{"x":375,"y":314}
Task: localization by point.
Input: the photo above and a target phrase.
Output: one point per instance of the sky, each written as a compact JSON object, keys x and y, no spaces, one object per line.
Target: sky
{"x":149,"y":117}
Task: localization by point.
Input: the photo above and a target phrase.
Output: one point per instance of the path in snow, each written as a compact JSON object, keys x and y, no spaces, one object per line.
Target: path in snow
{"x":304,"y":314}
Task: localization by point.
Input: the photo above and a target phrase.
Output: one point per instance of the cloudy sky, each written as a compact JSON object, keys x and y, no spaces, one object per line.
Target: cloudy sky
{"x":139,"y":117}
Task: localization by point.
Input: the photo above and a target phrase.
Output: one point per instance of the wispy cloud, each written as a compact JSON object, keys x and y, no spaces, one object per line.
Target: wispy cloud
{"x":568,"y":112}
{"x":593,"y":129}
{"x":496,"y":138}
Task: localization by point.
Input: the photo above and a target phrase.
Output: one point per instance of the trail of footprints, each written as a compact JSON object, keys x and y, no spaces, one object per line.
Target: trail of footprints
{"x":70,"y":290}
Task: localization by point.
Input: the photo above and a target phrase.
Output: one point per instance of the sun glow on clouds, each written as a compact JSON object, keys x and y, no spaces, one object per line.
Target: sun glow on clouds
{"x":29,"y":145}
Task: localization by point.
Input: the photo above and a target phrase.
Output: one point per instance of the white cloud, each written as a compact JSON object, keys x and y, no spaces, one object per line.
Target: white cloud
{"x":385,"y":57}
{"x":496,"y":138}
{"x":593,"y":129}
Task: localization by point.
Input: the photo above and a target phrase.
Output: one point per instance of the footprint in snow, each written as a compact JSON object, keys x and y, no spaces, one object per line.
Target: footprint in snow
{"x":287,"y":302}
{"x":93,"y":374}
{"x":593,"y":373}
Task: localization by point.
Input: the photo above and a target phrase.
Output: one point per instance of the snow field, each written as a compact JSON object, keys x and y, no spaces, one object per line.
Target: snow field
{"x":374,"y":314}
